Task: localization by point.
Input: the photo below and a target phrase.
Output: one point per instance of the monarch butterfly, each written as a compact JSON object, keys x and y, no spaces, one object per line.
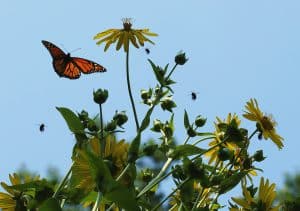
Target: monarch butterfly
{"x":70,"y":67}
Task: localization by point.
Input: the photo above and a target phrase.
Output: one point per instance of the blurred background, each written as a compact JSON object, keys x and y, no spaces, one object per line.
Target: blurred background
{"x":237,"y":50}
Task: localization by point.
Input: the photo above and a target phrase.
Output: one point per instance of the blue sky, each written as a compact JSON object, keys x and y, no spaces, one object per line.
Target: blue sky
{"x":237,"y":50}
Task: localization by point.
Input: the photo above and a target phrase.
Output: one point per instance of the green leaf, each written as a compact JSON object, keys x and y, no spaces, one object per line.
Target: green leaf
{"x":51,"y":204}
{"x":159,"y":74}
{"x":186,"y":120}
{"x":124,"y":197}
{"x":230,"y":182}
{"x":146,"y":121}
{"x":185,"y":150}
{"x":71,"y":118}
{"x":134,"y":148}
{"x":99,"y":171}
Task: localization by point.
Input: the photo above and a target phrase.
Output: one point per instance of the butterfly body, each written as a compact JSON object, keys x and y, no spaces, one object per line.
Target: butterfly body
{"x":70,"y":67}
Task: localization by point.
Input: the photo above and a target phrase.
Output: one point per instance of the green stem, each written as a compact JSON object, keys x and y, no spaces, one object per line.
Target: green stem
{"x":129,"y":91}
{"x":158,"y":177}
{"x":171,"y":72}
{"x":202,"y":190}
{"x":102,"y":143}
{"x":62,"y":183}
{"x":255,"y":131}
{"x":123,"y":172}
{"x":203,"y":139}
{"x":96,"y":205}
{"x":168,"y":196}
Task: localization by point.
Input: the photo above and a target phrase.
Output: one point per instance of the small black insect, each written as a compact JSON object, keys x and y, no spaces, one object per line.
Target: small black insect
{"x":147,"y":50}
{"x":42,"y":127}
{"x":194,"y":95}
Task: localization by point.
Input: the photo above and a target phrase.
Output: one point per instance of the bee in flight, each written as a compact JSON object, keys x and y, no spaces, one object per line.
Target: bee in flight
{"x":147,"y":50}
{"x":194,"y":95}
{"x":42,"y":127}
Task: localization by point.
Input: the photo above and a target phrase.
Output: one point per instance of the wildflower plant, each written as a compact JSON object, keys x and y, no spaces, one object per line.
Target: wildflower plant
{"x":104,"y":174}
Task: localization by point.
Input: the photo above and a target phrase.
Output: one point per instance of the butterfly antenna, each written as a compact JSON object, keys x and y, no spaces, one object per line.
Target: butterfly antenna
{"x":77,"y":49}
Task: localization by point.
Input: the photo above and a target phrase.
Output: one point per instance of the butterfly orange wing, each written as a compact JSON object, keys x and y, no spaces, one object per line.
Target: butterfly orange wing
{"x":62,"y":63}
{"x":87,"y":66}
{"x":70,"y":67}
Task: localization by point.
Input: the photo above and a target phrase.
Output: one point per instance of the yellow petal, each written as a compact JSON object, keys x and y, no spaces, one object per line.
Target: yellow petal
{"x":104,"y":33}
{"x":133,"y":39}
{"x":120,"y":41}
{"x":139,"y":36}
{"x":241,"y":202}
{"x":108,"y":38}
{"x":6,"y":201}
{"x":126,"y":41}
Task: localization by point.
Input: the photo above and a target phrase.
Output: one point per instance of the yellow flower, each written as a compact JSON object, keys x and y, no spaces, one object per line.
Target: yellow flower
{"x":265,"y":122}
{"x":115,"y":154}
{"x":264,"y":200}
{"x":213,"y":154}
{"x":13,"y":198}
{"x":124,"y":36}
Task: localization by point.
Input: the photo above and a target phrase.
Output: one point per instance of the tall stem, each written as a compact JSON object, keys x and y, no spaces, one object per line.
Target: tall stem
{"x":102,"y":143}
{"x":129,"y":91}
{"x":96,"y":205}
{"x":62,"y":183}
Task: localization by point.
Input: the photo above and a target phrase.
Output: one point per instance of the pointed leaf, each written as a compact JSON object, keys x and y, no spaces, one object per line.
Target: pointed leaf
{"x":185,"y":150}
{"x":146,"y":121}
{"x":72,"y":120}
{"x":230,"y":182}
{"x":186,"y":120}
{"x":123,"y":197}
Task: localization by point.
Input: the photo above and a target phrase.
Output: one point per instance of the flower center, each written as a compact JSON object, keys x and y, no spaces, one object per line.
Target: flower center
{"x":127,"y":23}
{"x":267,"y":123}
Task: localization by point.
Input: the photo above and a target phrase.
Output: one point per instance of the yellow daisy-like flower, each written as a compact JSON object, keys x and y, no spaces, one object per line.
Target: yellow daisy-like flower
{"x":264,"y":200}
{"x":265,"y":122}
{"x":115,"y":152}
{"x":13,"y":198}
{"x":213,"y":154}
{"x":124,"y":36}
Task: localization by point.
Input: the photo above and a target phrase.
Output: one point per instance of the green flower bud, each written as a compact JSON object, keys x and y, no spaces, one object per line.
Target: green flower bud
{"x":191,"y":132}
{"x":168,"y":130}
{"x":100,"y":96}
{"x":225,"y":154}
{"x":145,"y":95}
{"x":178,"y":172}
{"x":200,"y":121}
{"x":150,"y":149}
{"x":157,"y":125}
{"x":247,"y":164}
{"x":147,"y":175}
{"x":120,"y":118}
{"x":259,"y":156}
{"x":111,"y":126}
{"x":168,"y":104}
{"x":83,"y":115}
{"x":91,"y":126}
{"x":196,"y":171}
{"x":180,"y":58}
